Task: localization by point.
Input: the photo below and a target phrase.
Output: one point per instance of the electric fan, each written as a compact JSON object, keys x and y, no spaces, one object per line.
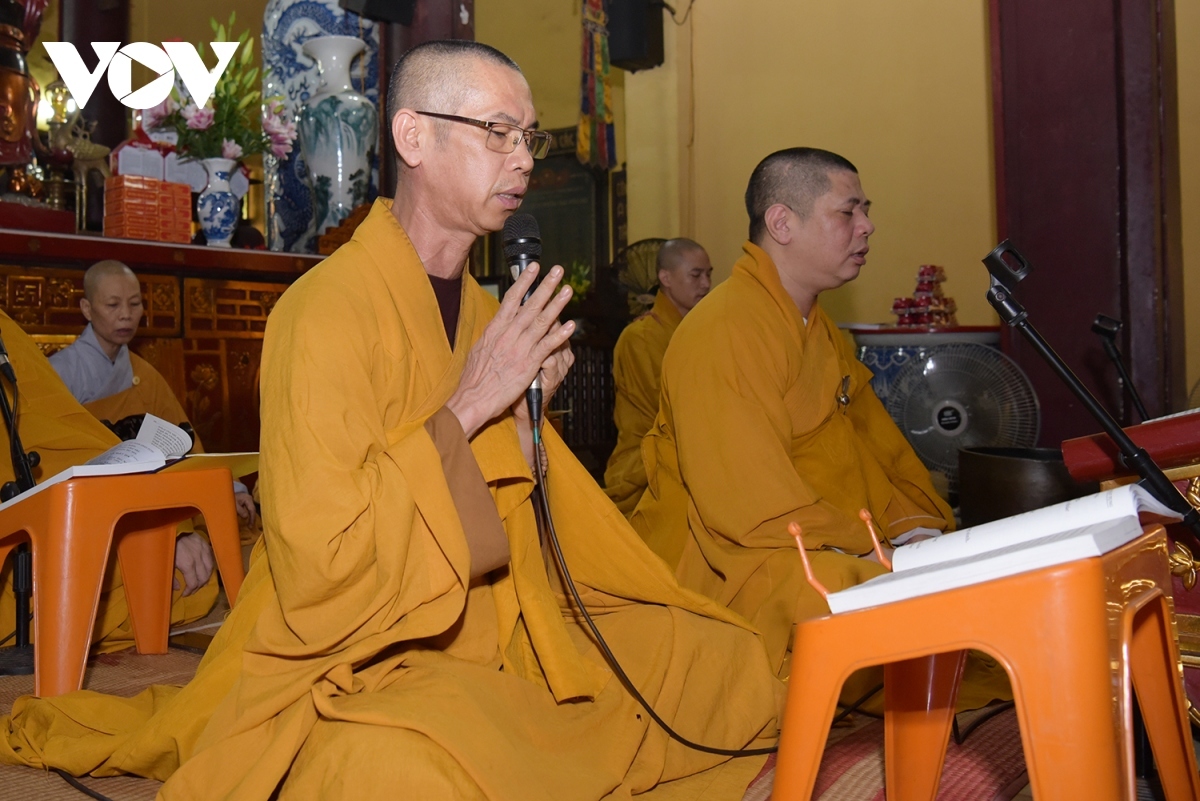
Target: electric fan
{"x":638,"y":273}
{"x":962,"y":396}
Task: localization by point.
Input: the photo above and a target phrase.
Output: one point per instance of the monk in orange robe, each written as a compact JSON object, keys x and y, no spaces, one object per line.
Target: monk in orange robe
{"x":767,"y":417}
{"x":401,"y":633}
{"x":684,"y":277}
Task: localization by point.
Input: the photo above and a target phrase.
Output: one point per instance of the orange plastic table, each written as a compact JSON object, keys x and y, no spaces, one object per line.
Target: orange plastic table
{"x":72,"y":525}
{"x":1073,"y":638}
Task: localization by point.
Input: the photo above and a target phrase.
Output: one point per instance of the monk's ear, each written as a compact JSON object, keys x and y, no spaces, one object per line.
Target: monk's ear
{"x":85,"y":306}
{"x":409,"y":136}
{"x":664,"y":278}
{"x":779,"y":220}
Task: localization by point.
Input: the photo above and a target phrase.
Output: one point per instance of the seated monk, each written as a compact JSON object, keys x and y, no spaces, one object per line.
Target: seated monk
{"x":767,"y":417}
{"x":684,"y":276}
{"x":63,"y":433}
{"x":110,"y":380}
{"x":400,"y":634}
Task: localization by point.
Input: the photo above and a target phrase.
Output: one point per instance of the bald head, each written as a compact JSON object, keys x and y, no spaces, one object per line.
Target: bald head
{"x":95,"y":277}
{"x":795,"y":177}
{"x":112,"y":303}
{"x":684,"y":273}
{"x":434,"y":76}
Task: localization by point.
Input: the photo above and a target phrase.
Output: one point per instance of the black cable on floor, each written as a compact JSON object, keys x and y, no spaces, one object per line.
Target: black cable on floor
{"x":80,"y":786}
{"x":544,"y":499}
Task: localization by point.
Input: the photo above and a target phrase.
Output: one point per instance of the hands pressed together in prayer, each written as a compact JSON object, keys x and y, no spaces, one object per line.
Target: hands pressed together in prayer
{"x":519,"y":342}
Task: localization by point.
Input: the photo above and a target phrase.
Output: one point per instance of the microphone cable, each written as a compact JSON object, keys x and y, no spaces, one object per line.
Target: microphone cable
{"x":544,"y":501}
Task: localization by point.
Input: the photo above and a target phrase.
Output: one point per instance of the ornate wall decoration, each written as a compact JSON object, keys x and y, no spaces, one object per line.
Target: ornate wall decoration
{"x":45,"y":300}
{"x":228,"y":309}
{"x":50,"y":344}
{"x":223,"y":328}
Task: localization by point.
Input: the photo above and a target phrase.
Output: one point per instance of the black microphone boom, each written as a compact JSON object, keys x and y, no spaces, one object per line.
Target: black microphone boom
{"x":6,"y":367}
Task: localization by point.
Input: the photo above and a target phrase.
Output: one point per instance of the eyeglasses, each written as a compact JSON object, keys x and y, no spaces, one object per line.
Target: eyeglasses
{"x":502,"y":137}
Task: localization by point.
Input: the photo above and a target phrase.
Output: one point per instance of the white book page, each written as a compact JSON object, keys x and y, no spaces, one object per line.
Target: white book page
{"x":1121,"y":502}
{"x":171,"y":440}
{"x":130,"y":452}
{"x":1009,"y":560}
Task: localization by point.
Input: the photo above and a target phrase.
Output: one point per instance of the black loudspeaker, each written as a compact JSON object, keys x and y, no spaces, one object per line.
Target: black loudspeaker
{"x":635,"y":34}
{"x":400,"y":11}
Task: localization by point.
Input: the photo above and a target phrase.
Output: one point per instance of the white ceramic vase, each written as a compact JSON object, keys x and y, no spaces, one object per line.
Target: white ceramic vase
{"x":217,"y":206}
{"x":338,"y":128}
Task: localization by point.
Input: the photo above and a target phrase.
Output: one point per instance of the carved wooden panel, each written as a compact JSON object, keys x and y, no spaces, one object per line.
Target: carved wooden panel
{"x":228,"y":309}
{"x":223,"y":325}
{"x":221,"y":395}
{"x":165,"y":355}
{"x":45,"y":300}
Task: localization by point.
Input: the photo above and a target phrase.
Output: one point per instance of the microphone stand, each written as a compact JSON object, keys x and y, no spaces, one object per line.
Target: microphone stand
{"x":18,"y":660}
{"x":1107,"y":329}
{"x":1005,"y":277}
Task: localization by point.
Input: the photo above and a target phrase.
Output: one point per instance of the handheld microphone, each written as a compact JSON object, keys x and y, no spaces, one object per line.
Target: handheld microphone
{"x":522,"y":247}
{"x":6,"y":365}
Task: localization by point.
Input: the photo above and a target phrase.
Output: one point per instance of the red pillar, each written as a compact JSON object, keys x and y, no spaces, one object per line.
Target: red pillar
{"x":1087,"y":176}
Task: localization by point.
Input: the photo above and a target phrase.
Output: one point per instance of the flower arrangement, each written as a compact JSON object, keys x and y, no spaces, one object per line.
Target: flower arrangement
{"x":225,"y":128}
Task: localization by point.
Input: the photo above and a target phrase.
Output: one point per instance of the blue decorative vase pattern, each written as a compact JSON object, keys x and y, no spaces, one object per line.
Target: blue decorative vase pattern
{"x":338,"y":128}
{"x":886,"y":351}
{"x":290,"y":75}
{"x":217,"y":206}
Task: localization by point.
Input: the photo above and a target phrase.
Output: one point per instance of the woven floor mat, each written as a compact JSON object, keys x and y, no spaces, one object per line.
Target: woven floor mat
{"x":125,"y":673}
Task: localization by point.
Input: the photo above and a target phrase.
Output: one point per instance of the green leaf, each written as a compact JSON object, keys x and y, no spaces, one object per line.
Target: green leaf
{"x":232,"y":19}
{"x":247,"y":53}
{"x":221,"y":34}
{"x":245,"y":101}
{"x":212,"y":21}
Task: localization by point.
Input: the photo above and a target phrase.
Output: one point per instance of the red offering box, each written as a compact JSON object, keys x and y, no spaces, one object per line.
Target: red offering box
{"x":136,"y":207}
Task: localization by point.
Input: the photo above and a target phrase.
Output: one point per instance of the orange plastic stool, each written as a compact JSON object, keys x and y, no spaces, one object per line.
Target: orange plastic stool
{"x":1071,"y":637}
{"x":71,"y":526}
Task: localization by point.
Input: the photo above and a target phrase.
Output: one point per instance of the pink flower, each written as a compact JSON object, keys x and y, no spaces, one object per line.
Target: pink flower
{"x":198,"y":119}
{"x":153,"y":117}
{"x":282,"y":132}
{"x":230,"y":149}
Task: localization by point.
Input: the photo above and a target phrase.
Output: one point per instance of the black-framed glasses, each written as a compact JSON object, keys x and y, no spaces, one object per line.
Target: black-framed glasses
{"x":502,"y":137}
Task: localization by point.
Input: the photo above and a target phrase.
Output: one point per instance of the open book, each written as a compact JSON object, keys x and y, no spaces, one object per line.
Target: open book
{"x":159,"y":445}
{"x":1078,"y":529}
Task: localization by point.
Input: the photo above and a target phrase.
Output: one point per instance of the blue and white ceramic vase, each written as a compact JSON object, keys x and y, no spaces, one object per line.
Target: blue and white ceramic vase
{"x":217,"y":206}
{"x":290,"y":78}
{"x":338,"y":128}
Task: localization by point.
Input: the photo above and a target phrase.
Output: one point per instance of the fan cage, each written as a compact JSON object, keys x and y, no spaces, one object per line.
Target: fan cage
{"x":999,"y":402}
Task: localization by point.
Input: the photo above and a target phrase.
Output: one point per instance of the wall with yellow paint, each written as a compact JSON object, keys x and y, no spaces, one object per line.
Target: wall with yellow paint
{"x":1187,"y":46}
{"x":545,"y":38}
{"x":901,"y":89}
{"x":157,"y":21}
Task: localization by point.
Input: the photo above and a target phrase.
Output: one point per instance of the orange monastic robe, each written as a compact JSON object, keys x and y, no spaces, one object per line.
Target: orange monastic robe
{"x":150,"y":394}
{"x":361,"y":661}
{"x":637,"y":366}
{"x":767,"y":418}
{"x":65,"y":434}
